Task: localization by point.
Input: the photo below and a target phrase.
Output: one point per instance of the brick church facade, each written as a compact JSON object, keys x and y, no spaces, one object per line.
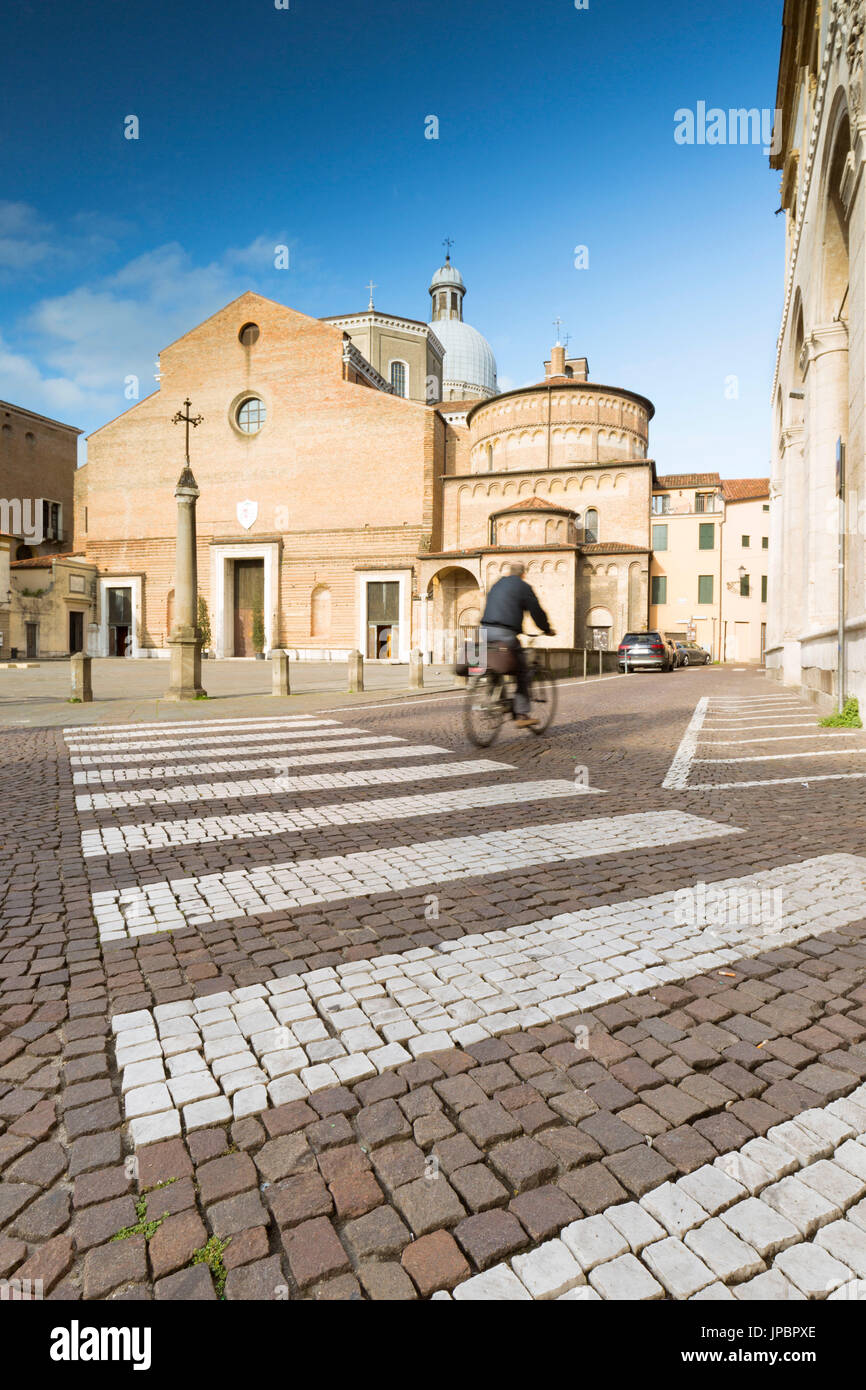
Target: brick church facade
{"x":350,"y":499}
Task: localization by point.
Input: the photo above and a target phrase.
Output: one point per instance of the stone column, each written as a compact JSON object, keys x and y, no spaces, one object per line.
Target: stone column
{"x":185,"y":641}
{"x":416,"y":670}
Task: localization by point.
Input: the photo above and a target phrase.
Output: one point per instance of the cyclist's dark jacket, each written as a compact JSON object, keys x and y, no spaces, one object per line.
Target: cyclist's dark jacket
{"x":507,"y":602}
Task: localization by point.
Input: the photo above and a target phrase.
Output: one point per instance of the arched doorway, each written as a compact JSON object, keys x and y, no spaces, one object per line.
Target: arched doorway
{"x":599,"y":629}
{"x":455,"y":610}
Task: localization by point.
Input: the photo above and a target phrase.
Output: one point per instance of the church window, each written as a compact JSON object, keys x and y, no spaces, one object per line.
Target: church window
{"x":490,"y":458}
{"x":399,"y":378}
{"x":249,"y":334}
{"x":251,"y":415}
{"x":590,"y":526}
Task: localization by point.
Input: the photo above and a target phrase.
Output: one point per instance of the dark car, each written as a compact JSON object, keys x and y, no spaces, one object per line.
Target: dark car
{"x":646,"y":651}
{"x":692,"y":654}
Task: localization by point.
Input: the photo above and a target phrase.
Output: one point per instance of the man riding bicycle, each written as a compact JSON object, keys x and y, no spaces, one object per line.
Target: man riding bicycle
{"x":509,"y":599}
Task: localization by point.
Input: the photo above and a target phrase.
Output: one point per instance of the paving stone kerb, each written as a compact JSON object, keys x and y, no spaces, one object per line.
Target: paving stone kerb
{"x":517,"y":1154}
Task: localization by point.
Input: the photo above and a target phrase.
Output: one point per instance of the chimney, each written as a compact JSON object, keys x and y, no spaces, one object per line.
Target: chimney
{"x":557,"y":360}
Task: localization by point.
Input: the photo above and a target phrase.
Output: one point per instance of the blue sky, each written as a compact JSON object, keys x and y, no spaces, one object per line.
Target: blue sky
{"x":306,"y":127}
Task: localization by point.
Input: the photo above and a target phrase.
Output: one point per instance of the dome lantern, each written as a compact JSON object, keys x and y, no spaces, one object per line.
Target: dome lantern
{"x":469,"y":368}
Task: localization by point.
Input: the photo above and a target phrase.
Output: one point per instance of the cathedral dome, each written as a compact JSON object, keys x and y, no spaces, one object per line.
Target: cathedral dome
{"x":469,"y":368}
{"x":469,"y":364}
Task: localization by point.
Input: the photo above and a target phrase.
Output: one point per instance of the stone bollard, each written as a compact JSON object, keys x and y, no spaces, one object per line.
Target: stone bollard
{"x":356,"y":672}
{"x":82,"y":689}
{"x":416,"y":670}
{"x":281,"y":682}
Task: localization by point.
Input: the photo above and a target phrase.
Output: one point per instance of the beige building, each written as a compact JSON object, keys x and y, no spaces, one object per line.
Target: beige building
{"x":53,"y":606}
{"x":818,"y":391}
{"x":341,"y":509}
{"x":38,"y":459}
{"x":708,"y":581}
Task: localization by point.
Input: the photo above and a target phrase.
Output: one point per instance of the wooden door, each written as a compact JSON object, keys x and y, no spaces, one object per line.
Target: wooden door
{"x":249,"y":596}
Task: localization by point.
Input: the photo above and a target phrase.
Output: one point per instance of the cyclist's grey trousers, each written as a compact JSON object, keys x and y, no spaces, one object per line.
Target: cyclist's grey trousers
{"x":521,"y":675}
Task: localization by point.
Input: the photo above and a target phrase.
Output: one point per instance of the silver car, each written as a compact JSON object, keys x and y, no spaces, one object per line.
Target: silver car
{"x":646,"y":651}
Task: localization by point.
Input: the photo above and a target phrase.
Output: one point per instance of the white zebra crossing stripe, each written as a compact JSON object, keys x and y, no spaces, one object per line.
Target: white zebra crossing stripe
{"x":272,"y":786}
{"x":161,"y":834}
{"x":349,"y":755}
{"x":678,"y":772}
{"x":167,"y":905}
{"x":200,"y":744}
{"x":245,"y":747}
{"x":301,"y":1033}
{"x":784,"y":757}
{"x":78,"y":733}
{"x":774,"y":738}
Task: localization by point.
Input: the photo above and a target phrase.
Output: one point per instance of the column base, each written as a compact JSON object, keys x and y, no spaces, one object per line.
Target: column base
{"x":185,"y":670}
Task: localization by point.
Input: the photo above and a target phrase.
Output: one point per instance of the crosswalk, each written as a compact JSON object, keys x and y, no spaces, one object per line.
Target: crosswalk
{"x":730,"y":741}
{"x":214,"y":794}
{"x":257,"y":1046}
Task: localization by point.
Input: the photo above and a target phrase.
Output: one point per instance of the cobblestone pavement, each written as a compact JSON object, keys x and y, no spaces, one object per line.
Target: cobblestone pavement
{"x":335,"y":1007}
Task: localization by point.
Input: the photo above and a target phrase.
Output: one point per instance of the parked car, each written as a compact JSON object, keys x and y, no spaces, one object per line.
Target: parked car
{"x":646,"y":651}
{"x":692,"y":654}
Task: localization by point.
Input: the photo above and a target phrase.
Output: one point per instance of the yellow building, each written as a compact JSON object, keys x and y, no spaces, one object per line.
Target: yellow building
{"x":708,"y":583}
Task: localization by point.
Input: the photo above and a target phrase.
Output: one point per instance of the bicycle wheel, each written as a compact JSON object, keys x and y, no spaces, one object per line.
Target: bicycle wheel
{"x":483,"y":709}
{"x":542,"y":697}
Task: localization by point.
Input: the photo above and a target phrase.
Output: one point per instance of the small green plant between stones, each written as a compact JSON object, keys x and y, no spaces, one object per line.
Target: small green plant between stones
{"x":847,"y":718}
{"x":212,"y":1256}
{"x":73,"y":700}
{"x":202,"y":696}
{"x":142,"y":1227}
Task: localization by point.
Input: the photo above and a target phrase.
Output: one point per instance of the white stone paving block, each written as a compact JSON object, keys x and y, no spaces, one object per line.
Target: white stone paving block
{"x":760,"y":1226}
{"x":724,"y":1253}
{"x":150,"y":1129}
{"x":846,"y":1242}
{"x":635,"y":1224}
{"x":594,"y":1241}
{"x":673,"y":1208}
{"x":147,"y":1100}
{"x":852,"y":1157}
{"x":771,"y":1287}
{"x":548,"y":1271}
{"x":677,"y":1267}
{"x":801,"y":1205}
{"x":497,"y":1284}
{"x":713,"y":1293}
{"x":841,"y":1188}
{"x":625,"y":1278}
{"x":206,"y":1112}
{"x":812,"y":1269}
{"x":712,"y":1189}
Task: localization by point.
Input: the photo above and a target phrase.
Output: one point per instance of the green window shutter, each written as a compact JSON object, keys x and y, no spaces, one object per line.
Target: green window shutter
{"x":707,"y":536}
{"x":744,"y":587}
{"x":659,"y":588}
{"x":763,"y":588}
{"x":705,"y":588}
{"x":765,"y":542}
{"x":660,"y":538}
{"x":745,"y":542}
